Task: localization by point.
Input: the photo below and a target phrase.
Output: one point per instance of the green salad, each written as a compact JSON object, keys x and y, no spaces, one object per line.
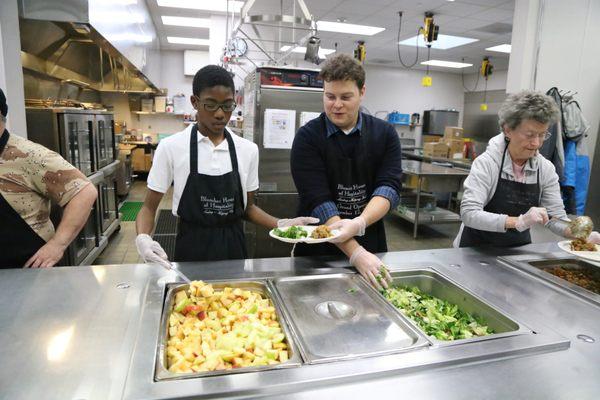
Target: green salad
{"x":438,"y":318}
{"x":293,"y":232}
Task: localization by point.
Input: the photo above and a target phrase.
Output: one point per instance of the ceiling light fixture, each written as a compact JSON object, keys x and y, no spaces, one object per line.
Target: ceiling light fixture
{"x":322,"y":52}
{"x":184,"y":40}
{"x":206,"y":5}
{"x":342,"y":27}
{"x":443,"y":42}
{"x":186,"y":21}
{"x":448,"y":64}
{"x":501,"y":48}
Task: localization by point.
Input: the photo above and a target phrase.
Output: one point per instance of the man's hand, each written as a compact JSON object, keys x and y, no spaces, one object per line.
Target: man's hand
{"x":299,"y":221}
{"x":370,"y":267}
{"x":150,"y":250}
{"x":349,"y":228}
{"x":47,"y":256}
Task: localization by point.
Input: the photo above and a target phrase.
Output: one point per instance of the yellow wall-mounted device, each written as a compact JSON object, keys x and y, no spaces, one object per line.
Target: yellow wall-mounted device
{"x":360,"y":53}
{"x":426,"y":81}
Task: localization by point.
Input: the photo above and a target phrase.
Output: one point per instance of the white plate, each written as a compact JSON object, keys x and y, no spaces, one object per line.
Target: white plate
{"x":565,"y":245}
{"x":309,"y":229}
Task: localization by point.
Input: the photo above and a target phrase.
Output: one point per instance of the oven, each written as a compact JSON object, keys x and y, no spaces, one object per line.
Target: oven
{"x":104,"y":138}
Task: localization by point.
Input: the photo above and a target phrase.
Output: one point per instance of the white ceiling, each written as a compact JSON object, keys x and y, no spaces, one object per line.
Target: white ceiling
{"x":470,"y":18}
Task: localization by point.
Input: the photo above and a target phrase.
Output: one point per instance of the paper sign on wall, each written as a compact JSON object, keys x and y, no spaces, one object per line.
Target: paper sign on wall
{"x":280,"y":127}
{"x":306,"y":116}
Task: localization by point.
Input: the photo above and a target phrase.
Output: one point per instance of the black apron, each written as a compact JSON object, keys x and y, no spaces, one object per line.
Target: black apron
{"x":351,"y":181}
{"x":210,"y":212}
{"x":18,"y":242}
{"x":510,"y":198}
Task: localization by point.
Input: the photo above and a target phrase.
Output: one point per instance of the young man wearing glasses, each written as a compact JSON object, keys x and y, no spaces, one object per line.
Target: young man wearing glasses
{"x":511,"y":186}
{"x":215,"y":176}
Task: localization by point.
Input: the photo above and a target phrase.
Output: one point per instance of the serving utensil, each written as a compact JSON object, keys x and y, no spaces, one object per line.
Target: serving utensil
{"x":169,"y":266}
{"x":581,"y":227}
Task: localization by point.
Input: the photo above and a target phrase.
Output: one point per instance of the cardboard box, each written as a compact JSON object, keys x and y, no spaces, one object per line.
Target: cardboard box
{"x":453,"y":132}
{"x":138,"y":159}
{"x":455,"y":147}
{"x":148,"y":162}
{"x":431,"y":138}
{"x":147,"y":105}
{"x":435,"y":150}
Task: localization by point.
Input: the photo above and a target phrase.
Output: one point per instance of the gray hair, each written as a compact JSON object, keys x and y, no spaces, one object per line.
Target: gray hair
{"x":527,"y":104}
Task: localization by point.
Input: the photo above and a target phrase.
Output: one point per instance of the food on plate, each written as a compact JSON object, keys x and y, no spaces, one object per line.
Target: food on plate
{"x":293,"y":232}
{"x":582,"y":245}
{"x":321,"y":232}
{"x":579,"y":277}
{"x":223,"y":329}
{"x":438,"y":318}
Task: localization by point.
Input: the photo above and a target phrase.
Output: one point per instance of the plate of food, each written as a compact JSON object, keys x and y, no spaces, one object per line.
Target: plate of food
{"x":581,"y":249}
{"x":304,"y":234}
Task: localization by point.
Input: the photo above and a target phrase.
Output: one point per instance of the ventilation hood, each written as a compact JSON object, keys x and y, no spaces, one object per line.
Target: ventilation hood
{"x":104,"y":45}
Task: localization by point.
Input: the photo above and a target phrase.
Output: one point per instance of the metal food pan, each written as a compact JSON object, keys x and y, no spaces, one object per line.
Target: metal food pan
{"x":338,"y":317}
{"x":537,"y":265}
{"x":161,"y":371}
{"x":570,"y":264}
{"x":435,"y":284}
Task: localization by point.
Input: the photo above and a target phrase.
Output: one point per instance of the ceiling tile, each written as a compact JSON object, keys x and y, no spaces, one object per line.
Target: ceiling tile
{"x":494,"y":14}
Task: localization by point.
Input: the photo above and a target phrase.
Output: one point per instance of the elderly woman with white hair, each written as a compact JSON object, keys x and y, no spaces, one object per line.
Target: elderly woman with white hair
{"x":511,"y":186}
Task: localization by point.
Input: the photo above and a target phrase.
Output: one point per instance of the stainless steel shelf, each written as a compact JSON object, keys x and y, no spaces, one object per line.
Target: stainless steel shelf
{"x":437,"y":216}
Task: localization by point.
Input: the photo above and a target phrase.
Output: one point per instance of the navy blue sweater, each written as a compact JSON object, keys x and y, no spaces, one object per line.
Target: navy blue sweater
{"x":308,"y":159}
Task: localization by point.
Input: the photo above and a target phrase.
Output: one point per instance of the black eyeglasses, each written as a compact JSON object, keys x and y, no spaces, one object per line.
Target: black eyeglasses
{"x":212,"y":107}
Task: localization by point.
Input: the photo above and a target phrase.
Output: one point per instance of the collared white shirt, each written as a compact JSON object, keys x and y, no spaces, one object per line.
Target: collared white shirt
{"x":171,"y":163}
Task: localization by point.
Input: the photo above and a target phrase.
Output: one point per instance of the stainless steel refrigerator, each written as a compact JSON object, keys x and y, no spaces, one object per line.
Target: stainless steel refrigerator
{"x":276,"y":88}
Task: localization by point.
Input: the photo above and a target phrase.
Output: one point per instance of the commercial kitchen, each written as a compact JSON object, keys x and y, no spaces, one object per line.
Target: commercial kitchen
{"x":103,"y":84}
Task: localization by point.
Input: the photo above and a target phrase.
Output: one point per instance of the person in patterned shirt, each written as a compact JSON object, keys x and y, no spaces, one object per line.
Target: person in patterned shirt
{"x":31,"y":177}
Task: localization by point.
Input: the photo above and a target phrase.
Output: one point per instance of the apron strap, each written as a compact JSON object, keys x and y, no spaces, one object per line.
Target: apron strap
{"x":194,"y":150}
{"x":4,"y":141}
{"x":234,"y":164}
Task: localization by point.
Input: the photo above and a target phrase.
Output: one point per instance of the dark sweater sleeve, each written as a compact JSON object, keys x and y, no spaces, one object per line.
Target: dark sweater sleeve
{"x":389,"y":172}
{"x":309,"y":169}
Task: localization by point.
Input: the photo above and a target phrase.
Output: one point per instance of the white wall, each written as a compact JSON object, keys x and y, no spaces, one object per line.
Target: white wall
{"x":569,"y":54}
{"x":496,"y":81}
{"x":398,"y":89}
{"x":11,"y":72}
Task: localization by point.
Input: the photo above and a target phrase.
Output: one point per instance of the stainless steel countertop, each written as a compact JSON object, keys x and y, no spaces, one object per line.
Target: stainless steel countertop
{"x":413,"y":167}
{"x":71,"y":333}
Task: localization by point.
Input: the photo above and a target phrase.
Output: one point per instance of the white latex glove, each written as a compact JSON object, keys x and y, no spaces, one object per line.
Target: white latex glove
{"x":594,"y":238}
{"x":349,"y":228}
{"x":299,"y":221}
{"x":149,"y":249}
{"x":535,"y":215}
{"x":370,"y":267}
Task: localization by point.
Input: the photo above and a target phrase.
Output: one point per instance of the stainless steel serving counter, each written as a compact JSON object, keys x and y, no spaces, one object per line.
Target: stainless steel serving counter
{"x":91,"y":333}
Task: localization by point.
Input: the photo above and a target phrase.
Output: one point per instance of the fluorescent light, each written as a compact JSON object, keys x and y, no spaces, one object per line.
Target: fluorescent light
{"x":443,"y":42}
{"x":186,"y":21}
{"x":184,"y":40}
{"x":207,"y":5}
{"x":302,"y":50}
{"x":501,"y":48}
{"x":342,"y":27}
{"x":449,"y":64}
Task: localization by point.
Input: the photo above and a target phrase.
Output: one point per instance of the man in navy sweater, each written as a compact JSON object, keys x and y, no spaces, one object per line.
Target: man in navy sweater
{"x":347,"y":168}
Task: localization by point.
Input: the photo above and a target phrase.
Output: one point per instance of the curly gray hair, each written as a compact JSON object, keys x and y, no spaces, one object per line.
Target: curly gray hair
{"x":527,"y":104}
